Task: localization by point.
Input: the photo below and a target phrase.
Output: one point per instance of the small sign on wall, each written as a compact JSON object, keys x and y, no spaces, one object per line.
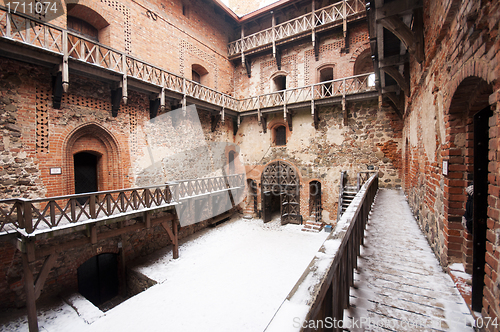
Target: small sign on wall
{"x":55,"y":170}
{"x":445,"y":167}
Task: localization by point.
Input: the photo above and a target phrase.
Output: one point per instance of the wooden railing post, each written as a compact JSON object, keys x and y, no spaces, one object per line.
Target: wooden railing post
{"x":28,"y":218}
{"x":92,"y":203}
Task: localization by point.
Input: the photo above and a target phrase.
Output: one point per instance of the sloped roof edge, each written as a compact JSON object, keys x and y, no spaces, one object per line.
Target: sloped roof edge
{"x":254,"y":14}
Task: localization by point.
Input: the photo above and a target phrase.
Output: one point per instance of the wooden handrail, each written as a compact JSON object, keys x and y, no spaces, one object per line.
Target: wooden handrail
{"x":42,"y":213}
{"x":323,"y":289}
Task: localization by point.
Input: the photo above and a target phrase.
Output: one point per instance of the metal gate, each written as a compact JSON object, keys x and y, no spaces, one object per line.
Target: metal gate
{"x":281,"y":179}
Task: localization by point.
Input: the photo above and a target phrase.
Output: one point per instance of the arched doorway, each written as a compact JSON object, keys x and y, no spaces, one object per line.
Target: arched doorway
{"x":281,"y":193}
{"x":98,"y":278}
{"x":469,"y":115}
{"x":88,"y":149}
{"x":85,"y":172}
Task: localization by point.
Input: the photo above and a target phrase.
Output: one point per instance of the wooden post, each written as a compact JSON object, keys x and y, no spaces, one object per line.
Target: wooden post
{"x":273,"y":24}
{"x":176,"y":238}
{"x":29,"y":288}
{"x":242,"y":44}
{"x":313,"y":23}
{"x":124,"y":80}
{"x":28,"y":217}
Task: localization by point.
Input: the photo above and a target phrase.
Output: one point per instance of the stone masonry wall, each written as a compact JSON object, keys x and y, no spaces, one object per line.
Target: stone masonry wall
{"x":371,"y":138}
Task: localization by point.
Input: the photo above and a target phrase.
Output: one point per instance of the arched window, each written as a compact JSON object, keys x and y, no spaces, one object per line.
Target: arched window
{"x":280,"y":135}
{"x":83,"y":28}
{"x":326,"y":74}
{"x":279,"y":83}
{"x":199,"y":74}
{"x":364,"y":64}
{"x":87,"y":22}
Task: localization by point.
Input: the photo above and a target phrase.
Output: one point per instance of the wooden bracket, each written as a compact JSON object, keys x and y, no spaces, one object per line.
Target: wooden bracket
{"x":116,"y":96}
{"x":316,"y":48}
{"x":248,"y":67}
{"x":154,"y":105}
{"x":289,"y":120}
{"x":57,"y":90}
{"x":399,"y":78}
{"x":396,"y":102}
{"x":44,"y":272}
{"x":395,"y":25}
{"x":215,"y":119}
{"x":173,"y":235}
{"x":278,"y":58}
{"x":264,"y":123}
{"x":236,"y":124}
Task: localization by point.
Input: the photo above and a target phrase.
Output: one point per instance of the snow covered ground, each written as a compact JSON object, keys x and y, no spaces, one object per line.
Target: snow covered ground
{"x":400,"y":285}
{"x":230,"y":278}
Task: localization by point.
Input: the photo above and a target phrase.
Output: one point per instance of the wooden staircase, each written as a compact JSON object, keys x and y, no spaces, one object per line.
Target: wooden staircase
{"x":347,"y":197}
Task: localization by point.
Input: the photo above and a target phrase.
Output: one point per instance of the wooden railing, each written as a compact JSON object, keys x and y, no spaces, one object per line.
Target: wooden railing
{"x":70,"y":46}
{"x":323,"y":289}
{"x":328,"y":89}
{"x":31,"y":215}
{"x":337,"y":12}
{"x":30,"y":31}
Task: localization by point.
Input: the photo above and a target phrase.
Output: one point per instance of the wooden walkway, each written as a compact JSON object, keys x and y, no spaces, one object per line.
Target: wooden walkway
{"x":399,"y":284}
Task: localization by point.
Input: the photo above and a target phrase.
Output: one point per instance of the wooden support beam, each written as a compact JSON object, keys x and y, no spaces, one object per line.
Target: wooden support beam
{"x":394,"y":60}
{"x":316,"y":48}
{"x":278,"y":58}
{"x":93,"y":234}
{"x":248,"y":67}
{"x":236,"y":124}
{"x":116,"y":96}
{"x":395,"y":25}
{"x":398,"y":77}
{"x":173,"y":235}
{"x":242,"y":44}
{"x":215,"y":119}
{"x":400,"y":7}
{"x":289,"y":120}
{"x":154,"y":105}
{"x":273,"y":24}
{"x":57,"y":90}
{"x":396,"y":102}
{"x":147,"y":219}
{"x":44,"y":272}
{"x":29,"y":289}
{"x":123,"y":83}
{"x":65,"y":63}
{"x":264,"y":123}
{"x":223,"y":115}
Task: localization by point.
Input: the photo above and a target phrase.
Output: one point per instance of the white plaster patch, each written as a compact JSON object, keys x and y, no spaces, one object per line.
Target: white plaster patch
{"x":335,"y":135}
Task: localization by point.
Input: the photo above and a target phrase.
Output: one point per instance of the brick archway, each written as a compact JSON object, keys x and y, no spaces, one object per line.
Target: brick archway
{"x":469,"y":98}
{"x":94,"y":139}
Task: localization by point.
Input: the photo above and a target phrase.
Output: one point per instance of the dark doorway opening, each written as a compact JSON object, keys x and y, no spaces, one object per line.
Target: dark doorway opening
{"x":281,"y":193}
{"x":98,"y":278}
{"x":85,"y":173}
{"x":480,"y":203}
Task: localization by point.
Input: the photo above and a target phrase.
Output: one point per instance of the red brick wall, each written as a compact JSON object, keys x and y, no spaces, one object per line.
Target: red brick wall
{"x":460,"y":71}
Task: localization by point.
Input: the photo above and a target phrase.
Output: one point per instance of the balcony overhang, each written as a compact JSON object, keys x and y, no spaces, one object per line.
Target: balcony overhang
{"x":396,"y":33}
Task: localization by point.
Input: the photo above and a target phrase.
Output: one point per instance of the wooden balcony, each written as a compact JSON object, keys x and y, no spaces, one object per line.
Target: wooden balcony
{"x":32,"y":217}
{"x":28,"y":39}
{"x":321,"y":19}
